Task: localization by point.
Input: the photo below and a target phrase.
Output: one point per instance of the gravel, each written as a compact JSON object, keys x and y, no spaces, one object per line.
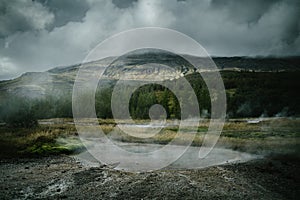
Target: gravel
{"x":63,"y":177}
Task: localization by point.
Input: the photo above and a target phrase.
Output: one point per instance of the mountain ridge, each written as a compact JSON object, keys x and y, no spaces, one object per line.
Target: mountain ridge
{"x":60,"y":80}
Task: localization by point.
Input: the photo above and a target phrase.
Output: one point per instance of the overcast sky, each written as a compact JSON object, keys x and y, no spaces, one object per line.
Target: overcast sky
{"x":41,"y":34}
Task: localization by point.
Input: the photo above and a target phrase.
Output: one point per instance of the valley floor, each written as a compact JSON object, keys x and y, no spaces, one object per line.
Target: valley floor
{"x":43,"y":163}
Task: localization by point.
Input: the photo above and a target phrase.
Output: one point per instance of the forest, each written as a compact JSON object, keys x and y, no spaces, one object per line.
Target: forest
{"x":249,"y":94}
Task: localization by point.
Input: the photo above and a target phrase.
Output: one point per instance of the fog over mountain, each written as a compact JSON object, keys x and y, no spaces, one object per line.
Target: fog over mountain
{"x":36,"y":35}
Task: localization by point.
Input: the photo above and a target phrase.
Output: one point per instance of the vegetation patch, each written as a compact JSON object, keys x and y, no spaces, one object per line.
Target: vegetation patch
{"x":39,"y":141}
{"x":272,"y":135}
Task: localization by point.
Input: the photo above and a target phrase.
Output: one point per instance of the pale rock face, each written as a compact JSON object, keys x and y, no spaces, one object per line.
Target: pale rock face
{"x":147,"y":72}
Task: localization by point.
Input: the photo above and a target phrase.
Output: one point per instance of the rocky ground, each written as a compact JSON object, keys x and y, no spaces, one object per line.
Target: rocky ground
{"x":63,"y":177}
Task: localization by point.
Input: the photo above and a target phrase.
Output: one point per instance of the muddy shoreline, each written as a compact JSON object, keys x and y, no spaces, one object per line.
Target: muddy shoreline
{"x":64,"y":177}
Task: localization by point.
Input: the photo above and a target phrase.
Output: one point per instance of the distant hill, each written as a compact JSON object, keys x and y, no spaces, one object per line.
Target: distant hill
{"x":59,"y":81}
{"x":258,"y":64}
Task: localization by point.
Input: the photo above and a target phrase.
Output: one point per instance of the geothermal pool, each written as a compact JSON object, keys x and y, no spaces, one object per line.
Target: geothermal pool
{"x":189,"y":160}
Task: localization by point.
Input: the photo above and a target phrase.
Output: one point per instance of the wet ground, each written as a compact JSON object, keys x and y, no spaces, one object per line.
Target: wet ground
{"x":65,"y":177}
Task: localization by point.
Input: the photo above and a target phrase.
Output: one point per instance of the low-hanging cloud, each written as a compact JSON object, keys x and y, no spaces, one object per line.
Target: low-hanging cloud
{"x":37,"y":35}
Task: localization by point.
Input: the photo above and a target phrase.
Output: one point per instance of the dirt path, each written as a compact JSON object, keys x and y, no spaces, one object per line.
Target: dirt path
{"x":64,"y":177}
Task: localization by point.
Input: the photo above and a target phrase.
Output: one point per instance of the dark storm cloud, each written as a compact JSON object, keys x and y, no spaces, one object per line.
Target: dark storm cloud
{"x":66,"y":10}
{"x":37,"y":35}
{"x":244,"y":11}
{"x":20,"y":16}
{"x":123,"y":3}
{"x":283,"y":15}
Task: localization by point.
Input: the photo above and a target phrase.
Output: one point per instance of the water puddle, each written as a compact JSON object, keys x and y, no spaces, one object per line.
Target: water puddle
{"x":189,"y":160}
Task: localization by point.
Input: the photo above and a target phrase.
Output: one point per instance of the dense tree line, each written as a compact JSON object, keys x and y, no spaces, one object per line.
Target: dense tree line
{"x":254,"y":94}
{"x":249,"y":94}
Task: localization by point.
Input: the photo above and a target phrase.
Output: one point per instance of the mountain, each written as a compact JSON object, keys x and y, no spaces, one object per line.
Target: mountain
{"x":136,"y":66}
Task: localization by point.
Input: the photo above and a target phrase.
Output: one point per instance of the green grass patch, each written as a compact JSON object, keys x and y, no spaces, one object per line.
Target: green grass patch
{"x":41,"y":140}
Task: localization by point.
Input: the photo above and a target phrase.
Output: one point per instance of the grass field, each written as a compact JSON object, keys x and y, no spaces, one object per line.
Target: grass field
{"x":59,"y":136}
